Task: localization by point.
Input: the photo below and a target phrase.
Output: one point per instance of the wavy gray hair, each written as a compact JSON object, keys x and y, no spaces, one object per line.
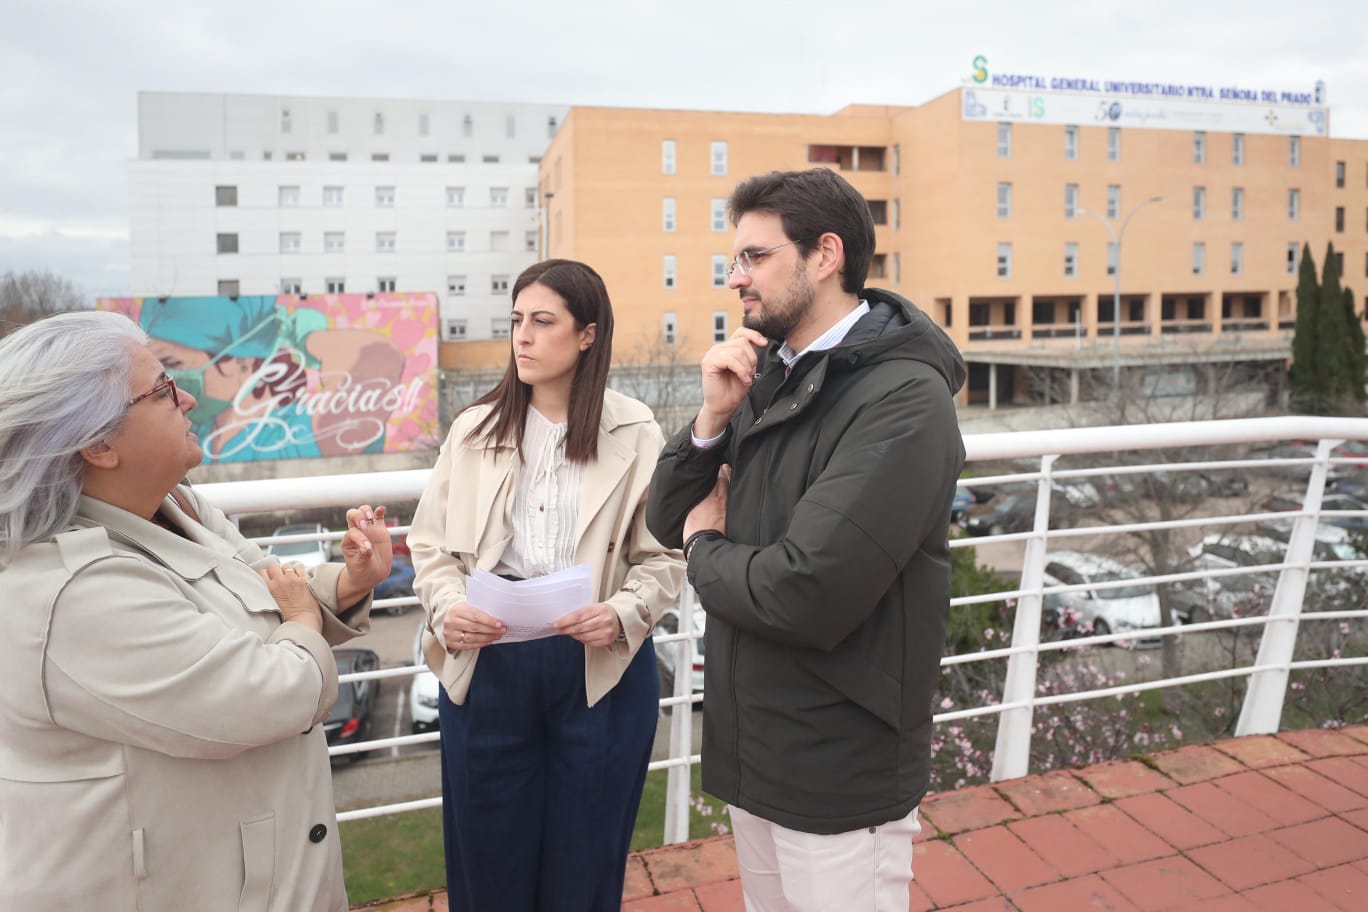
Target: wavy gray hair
{"x":64,"y":385}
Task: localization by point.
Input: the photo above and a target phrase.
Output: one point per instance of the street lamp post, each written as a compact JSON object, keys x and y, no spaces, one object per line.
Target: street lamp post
{"x":1117,"y":237}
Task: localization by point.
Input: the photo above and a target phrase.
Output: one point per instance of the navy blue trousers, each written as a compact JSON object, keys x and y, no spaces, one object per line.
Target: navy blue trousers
{"x":539,"y":791}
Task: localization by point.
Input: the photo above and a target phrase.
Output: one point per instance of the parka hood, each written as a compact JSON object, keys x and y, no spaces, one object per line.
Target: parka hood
{"x":896,"y":328}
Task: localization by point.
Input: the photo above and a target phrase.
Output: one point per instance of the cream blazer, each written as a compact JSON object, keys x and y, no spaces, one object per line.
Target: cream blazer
{"x":464,"y":521}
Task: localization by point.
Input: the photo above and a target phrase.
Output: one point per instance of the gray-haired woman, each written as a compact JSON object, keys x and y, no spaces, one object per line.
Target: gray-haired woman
{"x":161,"y":679}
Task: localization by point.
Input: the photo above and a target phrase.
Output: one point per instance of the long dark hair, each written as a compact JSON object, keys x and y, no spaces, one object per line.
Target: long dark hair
{"x":586,"y":297}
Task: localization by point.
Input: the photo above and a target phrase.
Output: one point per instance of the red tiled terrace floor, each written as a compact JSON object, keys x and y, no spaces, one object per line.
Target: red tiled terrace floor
{"x":1260,"y":823}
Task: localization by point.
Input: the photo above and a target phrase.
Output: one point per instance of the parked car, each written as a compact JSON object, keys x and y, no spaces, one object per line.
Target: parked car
{"x":666,"y":652}
{"x":350,"y":719}
{"x":307,"y":553}
{"x":1105,"y":610}
{"x":1334,"y":500}
{"x":963,"y":501}
{"x":1333,"y":473}
{"x":1014,"y":513}
{"x":1244,"y":593}
{"x":423,"y":691}
{"x":399,"y":584}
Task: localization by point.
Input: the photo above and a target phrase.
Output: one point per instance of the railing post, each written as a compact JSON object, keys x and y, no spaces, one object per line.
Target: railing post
{"x":678,"y":783}
{"x":1261,"y":713}
{"x":1012,"y":754}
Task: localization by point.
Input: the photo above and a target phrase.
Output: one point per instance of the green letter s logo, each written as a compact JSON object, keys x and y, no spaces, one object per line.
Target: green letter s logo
{"x":980,"y":69}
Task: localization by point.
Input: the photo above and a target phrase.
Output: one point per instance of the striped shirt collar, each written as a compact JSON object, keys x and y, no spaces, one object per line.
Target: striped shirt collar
{"x":829,"y":339}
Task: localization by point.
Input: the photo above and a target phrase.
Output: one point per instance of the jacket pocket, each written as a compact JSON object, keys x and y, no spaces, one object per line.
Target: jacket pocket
{"x":258,"y":863}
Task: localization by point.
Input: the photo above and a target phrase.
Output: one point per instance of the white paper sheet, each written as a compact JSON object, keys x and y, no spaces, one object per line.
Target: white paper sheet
{"x":530,"y":608}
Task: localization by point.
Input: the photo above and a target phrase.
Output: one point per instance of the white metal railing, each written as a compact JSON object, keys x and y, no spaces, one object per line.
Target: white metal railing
{"x":1268,"y":674}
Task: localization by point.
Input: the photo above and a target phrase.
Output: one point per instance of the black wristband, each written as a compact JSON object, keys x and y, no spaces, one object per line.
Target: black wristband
{"x":693,"y":539}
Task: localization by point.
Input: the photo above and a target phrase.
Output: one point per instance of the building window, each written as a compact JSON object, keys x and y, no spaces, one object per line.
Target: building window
{"x":1071,"y":142}
{"x":1339,"y":219}
{"x":551,"y":127}
{"x":1004,"y":140}
{"x":332,"y":197}
{"x":489,"y":159}
{"x":1112,"y":261}
{"x":667,"y":156}
{"x":332,"y":122}
{"x":1237,"y":258}
{"x":379,"y":156}
{"x":1198,"y":258}
{"x":500,"y":328}
{"x":384,"y":197}
{"x":1199,"y":203}
{"x":498,"y":197}
{"x":288,"y":197}
{"x":386,"y":284}
{"x":334,"y":242}
{"x":225,"y":196}
{"x":1339,"y":261}
{"x":289,"y":242}
{"x":384,"y":242}
{"x":669,"y":268}
{"x":455,"y":328}
{"x":228,"y":288}
{"x":1293,"y":205}
{"x":286,"y":122}
{"x":878,"y":211}
{"x":511,"y":126}
{"x":1237,"y":149}
{"x":1004,"y":261}
{"x":670,"y":327}
{"x":667,"y":214}
{"x":455,"y":197}
{"x":467,"y":127}
{"x":455,"y":241}
{"x":719,"y":158}
{"x":428,"y":158}
{"x":1339,"y":175}
{"x":1071,"y":201}
{"x":1070,"y":260}
{"x":897,"y":159}
{"x":1237,"y":203}
{"x":1294,"y":151}
{"x":1113,"y":144}
{"x":719,"y":270}
{"x":1199,"y":147}
{"x":530,"y":241}
{"x":1004,"y":201}
{"x":458,"y":158}
{"x":337,"y":156}
{"x":227,"y":243}
{"x":897,"y":268}
{"x":335,"y":286}
{"x":378,"y":124}
{"x":719,"y":326}
{"x":719,"y":214}
{"x":294,"y":156}
{"x":897,"y":214}
{"x":498,"y":284}
{"x":498,"y":241}
{"x":529,"y":197}
{"x":456,"y":285}
{"x":422,"y":123}
{"x":1293,"y":259}
{"x":291,"y":286}
{"x":1113,"y":201}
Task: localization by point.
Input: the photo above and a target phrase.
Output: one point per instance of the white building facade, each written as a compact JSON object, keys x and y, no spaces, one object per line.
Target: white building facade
{"x":251,"y":194}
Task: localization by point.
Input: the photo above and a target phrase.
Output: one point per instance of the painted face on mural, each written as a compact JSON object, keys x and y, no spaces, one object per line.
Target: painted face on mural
{"x":215,"y":384}
{"x":546,"y":342}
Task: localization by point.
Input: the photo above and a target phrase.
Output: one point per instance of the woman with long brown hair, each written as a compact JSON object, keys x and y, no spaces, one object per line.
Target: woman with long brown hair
{"x":545,"y":742}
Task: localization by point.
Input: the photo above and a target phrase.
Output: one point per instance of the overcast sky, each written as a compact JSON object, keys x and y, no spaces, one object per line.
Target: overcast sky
{"x":70,"y":71}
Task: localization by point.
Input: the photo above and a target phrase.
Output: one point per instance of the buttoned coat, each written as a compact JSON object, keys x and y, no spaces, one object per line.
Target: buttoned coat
{"x":464,"y":521}
{"x":159,"y":738}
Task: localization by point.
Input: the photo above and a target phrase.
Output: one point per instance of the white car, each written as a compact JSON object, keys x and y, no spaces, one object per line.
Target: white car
{"x":1115,"y":609}
{"x":423,"y":690}
{"x":306,"y":553}
{"x":666,"y":653}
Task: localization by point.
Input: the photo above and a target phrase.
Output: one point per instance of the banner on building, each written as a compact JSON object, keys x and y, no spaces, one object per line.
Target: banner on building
{"x":290,"y":377}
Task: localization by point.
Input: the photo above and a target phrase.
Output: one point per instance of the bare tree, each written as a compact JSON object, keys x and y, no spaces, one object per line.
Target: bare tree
{"x":655,"y":371}
{"x":32,"y":295}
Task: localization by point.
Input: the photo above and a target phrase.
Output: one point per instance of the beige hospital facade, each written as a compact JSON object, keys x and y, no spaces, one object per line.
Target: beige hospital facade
{"x":990,"y":217}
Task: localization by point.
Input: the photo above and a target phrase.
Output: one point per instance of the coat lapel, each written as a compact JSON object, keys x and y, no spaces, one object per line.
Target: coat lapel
{"x":601,"y":477}
{"x":493,"y":496}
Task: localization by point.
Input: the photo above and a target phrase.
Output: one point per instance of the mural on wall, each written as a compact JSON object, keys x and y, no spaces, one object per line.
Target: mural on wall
{"x":290,"y":377}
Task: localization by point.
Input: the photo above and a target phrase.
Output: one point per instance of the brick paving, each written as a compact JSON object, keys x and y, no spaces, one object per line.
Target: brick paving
{"x":1268,"y":822}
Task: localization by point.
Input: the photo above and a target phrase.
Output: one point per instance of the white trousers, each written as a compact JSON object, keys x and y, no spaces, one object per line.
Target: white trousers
{"x":864,"y":870}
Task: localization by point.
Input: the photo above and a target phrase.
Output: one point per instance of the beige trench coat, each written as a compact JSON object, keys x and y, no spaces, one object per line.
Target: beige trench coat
{"x":159,"y":745}
{"x":464,"y":520}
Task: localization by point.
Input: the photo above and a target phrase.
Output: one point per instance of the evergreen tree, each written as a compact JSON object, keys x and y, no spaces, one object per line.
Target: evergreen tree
{"x":1305,"y":379}
{"x":1331,"y":353}
{"x":1358,"y":360}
